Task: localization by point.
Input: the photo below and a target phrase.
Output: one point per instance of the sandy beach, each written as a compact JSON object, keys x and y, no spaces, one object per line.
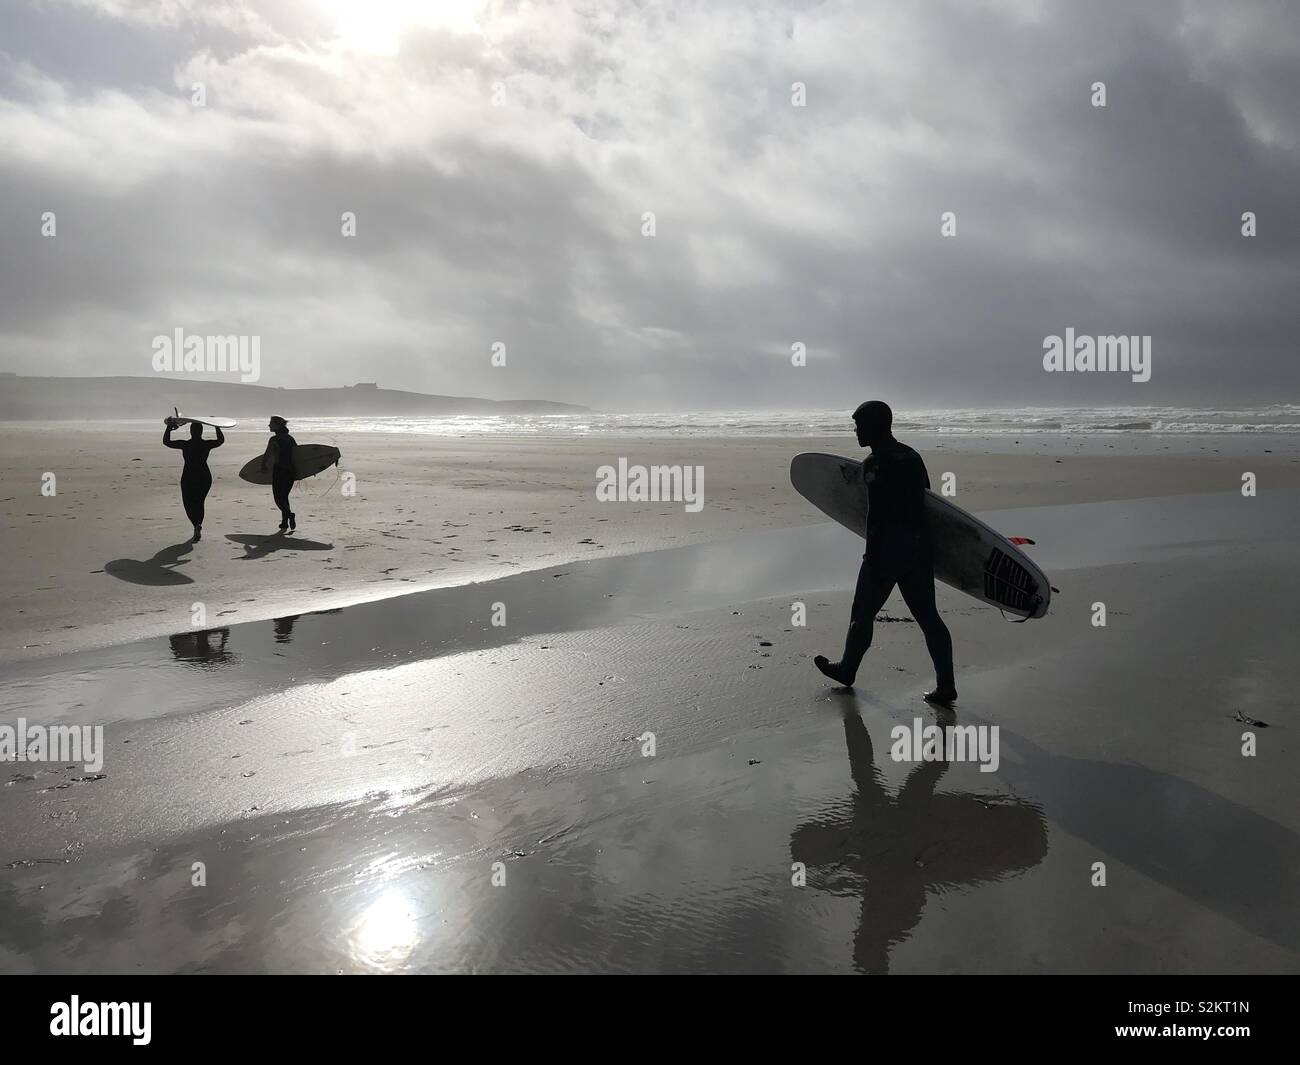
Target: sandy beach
{"x":400,"y":785}
{"x":106,"y":559}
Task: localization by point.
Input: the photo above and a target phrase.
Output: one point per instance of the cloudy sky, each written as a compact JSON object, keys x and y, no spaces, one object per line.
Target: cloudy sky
{"x":500,"y":158}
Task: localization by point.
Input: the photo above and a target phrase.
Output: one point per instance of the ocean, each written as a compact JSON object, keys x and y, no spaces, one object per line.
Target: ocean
{"x":1276,"y":420}
{"x":1279,"y":419}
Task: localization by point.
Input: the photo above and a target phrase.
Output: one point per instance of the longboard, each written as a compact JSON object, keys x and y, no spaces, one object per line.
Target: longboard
{"x":968,"y":555}
{"x":202,"y":419}
{"x":308,"y":460}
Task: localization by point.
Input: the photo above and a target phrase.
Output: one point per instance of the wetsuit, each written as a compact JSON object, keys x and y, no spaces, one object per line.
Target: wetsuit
{"x":196,"y":478}
{"x":282,"y":473}
{"x":898,"y":552}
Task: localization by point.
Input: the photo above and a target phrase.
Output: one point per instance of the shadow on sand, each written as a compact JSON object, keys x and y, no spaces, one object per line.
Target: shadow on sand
{"x":158,"y":571}
{"x":259,"y":546}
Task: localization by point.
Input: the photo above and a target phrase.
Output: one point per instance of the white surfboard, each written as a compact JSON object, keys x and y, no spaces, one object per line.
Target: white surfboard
{"x":203,"y":419}
{"x":968,"y":555}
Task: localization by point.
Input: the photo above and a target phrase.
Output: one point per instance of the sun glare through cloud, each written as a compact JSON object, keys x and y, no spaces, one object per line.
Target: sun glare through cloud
{"x":378,"y":25}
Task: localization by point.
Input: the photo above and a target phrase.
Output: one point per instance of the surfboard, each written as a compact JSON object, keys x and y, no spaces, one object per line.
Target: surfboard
{"x":308,"y":460}
{"x":968,"y":554}
{"x":202,"y":419}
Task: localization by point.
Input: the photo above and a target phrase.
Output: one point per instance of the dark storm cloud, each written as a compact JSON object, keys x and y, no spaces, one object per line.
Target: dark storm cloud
{"x":776,"y":224}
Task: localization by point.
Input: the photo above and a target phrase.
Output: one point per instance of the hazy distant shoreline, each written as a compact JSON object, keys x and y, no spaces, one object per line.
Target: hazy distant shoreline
{"x":134,"y":398}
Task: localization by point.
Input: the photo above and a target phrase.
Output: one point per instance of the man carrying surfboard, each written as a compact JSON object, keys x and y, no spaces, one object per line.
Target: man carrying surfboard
{"x":899,"y":552}
{"x":279,"y":457}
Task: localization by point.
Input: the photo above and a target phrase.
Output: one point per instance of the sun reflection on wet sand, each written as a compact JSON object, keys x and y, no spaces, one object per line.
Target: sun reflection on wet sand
{"x":386,"y":932}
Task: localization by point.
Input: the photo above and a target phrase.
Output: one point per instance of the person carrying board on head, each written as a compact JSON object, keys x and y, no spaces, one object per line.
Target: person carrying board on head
{"x":196,"y":478}
{"x":898,"y":551}
{"x":278,"y":459}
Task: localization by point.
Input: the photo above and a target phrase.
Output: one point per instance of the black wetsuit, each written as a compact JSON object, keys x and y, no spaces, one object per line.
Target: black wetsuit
{"x":282,"y":473}
{"x":196,"y":478}
{"x":898,"y":552}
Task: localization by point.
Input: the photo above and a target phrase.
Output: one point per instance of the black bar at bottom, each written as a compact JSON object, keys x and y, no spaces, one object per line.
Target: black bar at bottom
{"x":376,"y":1014}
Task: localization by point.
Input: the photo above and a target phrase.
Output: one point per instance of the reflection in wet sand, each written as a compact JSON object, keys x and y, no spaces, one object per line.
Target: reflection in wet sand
{"x":685,"y":872}
{"x":204,"y":648}
{"x":331,"y":852}
{"x":894,"y":850}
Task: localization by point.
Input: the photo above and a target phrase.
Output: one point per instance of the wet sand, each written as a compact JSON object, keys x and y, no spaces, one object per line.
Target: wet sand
{"x":354,"y":781}
{"x":106,"y":559}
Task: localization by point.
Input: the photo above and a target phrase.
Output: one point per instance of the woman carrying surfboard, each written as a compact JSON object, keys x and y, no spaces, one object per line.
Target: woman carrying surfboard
{"x":196,"y":478}
{"x":279,"y":458}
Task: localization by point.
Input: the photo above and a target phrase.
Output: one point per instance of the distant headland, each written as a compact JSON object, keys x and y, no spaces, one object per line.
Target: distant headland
{"x":101,"y":398}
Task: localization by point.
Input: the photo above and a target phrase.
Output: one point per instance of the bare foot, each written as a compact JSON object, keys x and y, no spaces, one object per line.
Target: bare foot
{"x":834,"y":670}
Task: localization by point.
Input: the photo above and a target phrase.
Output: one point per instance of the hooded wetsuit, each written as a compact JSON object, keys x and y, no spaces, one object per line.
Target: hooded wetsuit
{"x":898,"y":552}
{"x":282,"y":472}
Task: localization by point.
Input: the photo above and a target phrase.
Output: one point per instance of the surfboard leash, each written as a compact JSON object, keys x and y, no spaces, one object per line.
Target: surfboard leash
{"x":338,"y":469}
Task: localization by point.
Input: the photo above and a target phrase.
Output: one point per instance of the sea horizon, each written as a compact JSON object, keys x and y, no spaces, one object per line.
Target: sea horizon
{"x":1277,"y":419}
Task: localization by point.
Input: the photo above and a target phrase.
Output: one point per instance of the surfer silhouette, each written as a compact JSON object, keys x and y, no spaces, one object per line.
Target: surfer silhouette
{"x":279,"y":457}
{"x":196,"y":478}
{"x":898,"y":553}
